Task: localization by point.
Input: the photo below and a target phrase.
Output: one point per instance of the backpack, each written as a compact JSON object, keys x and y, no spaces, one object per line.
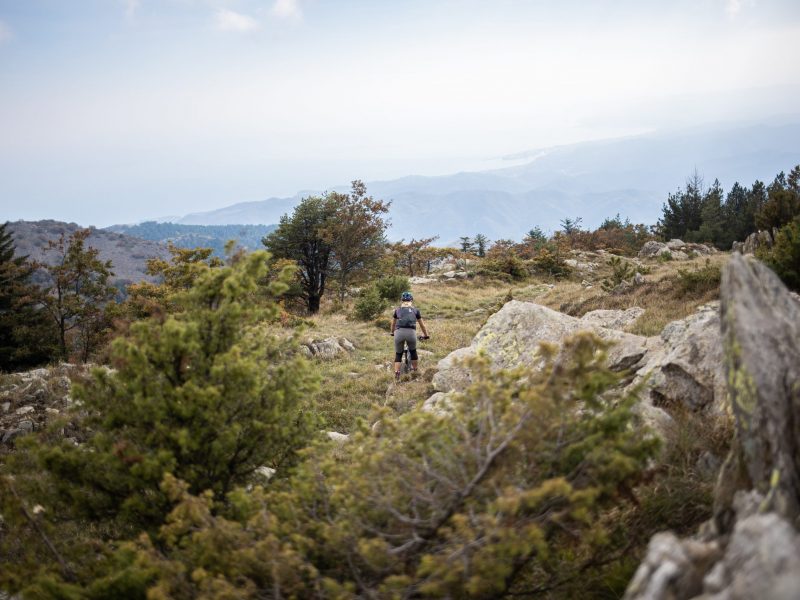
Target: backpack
{"x":407,"y":317}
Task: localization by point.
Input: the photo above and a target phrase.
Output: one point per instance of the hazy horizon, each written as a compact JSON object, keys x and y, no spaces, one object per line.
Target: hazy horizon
{"x":116,"y":111}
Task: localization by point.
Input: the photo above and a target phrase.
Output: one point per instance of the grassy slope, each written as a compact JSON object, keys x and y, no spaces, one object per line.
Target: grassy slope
{"x":454,"y":312}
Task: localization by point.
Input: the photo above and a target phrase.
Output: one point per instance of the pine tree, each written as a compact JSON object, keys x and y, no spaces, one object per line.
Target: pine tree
{"x":480,"y":241}
{"x":26,"y":337}
{"x":78,"y":293}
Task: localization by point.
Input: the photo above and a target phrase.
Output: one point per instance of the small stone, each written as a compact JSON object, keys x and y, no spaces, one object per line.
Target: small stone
{"x":11,"y":434}
{"x":335,"y":436}
{"x":52,"y":411}
{"x":6,"y":406}
{"x":26,"y":425}
{"x":24,"y":410}
{"x":266,"y":472}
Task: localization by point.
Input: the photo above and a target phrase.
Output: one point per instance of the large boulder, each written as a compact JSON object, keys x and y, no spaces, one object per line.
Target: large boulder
{"x":751,"y":547}
{"x":653,"y":249}
{"x":681,"y":367}
{"x":756,"y":240}
{"x":511,"y":338}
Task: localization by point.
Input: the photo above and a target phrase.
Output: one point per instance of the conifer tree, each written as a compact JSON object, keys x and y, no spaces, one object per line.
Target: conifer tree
{"x":480,"y":241}
{"x":78,"y":292}
{"x":26,"y":336}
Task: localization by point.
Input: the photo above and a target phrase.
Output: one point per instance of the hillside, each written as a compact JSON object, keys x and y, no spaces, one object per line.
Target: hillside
{"x":247,"y":237}
{"x":128,"y":254}
{"x":594,"y":180}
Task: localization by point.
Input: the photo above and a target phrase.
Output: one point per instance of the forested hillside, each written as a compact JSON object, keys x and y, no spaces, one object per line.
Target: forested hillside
{"x":192,"y":236}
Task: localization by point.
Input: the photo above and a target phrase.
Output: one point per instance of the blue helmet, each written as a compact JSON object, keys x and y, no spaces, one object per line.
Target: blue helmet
{"x":406,"y":297}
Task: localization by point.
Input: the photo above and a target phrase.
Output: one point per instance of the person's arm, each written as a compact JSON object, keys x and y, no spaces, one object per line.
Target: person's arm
{"x":394,"y":323}
{"x":422,"y":326}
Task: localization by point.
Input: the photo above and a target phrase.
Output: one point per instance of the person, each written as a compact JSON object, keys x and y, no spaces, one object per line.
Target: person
{"x":404,"y":330}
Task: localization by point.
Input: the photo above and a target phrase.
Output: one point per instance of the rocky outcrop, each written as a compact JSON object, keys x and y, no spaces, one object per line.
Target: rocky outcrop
{"x":29,"y":400}
{"x":751,"y":547}
{"x":328,"y":348}
{"x":675,"y":249}
{"x":681,"y":367}
{"x":511,"y":338}
{"x":756,"y":240}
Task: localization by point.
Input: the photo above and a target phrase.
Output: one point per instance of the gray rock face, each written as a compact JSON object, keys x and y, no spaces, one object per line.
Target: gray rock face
{"x":327,"y":349}
{"x":754,"y":241}
{"x":612,"y":319}
{"x":511,"y":338}
{"x":652,"y":249}
{"x":757,"y":499}
{"x":683,"y":366}
{"x":761,"y":333}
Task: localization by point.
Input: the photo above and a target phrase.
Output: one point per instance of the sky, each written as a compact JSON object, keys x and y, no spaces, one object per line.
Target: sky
{"x":116,"y":111}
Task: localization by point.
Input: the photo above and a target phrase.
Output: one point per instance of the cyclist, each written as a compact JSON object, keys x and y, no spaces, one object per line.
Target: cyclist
{"x":404,"y":330}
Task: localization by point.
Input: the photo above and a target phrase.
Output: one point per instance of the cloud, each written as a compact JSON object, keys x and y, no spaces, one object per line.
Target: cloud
{"x":734,"y":7}
{"x":6,"y":35}
{"x":229,"y":20}
{"x":131,"y":6}
{"x":287,"y":9}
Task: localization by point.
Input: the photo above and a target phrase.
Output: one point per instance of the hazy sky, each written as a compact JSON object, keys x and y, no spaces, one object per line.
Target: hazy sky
{"x":118,"y":110}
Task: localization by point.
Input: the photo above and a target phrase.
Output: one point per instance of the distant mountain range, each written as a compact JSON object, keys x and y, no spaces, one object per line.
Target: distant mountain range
{"x":593,"y":180}
{"x":191,"y":236}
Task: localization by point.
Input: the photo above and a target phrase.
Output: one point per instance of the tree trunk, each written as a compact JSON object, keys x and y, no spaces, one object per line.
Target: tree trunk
{"x":313,"y":303}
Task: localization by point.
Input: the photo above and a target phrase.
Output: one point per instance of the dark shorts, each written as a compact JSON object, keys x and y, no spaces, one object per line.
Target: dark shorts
{"x":403,"y":336}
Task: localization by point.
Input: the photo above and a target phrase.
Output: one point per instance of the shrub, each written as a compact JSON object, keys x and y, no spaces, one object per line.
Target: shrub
{"x":205,"y":394}
{"x":784,"y":256}
{"x":699,"y":279}
{"x":391,"y":287}
{"x":506,"y":488}
{"x":550,"y":262}
{"x":621,"y":270}
{"x":370,"y":304}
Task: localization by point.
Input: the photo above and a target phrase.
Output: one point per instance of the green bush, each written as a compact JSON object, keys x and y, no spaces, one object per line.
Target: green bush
{"x":391,"y":287}
{"x":550,"y":262}
{"x":784,"y":256}
{"x":205,"y":394}
{"x":370,"y":304}
{"x":699,"y":279}
{"x":621,"y":270}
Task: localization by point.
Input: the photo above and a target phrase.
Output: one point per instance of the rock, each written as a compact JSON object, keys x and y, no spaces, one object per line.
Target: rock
{"x":757,"y":497}
{"x":638,"y":278}
{"x":671,"y":569}
{"x":612,"y":319}
{"x":24,"y":410}
{"x":761,"y":333}
{"x":653,"y":249}
{"x":328,"y":348}
{"x":335,"y":436}
{"x":675,"y":244}
{"x":26,"y":425}
{"x":52,"y":411}
{"x":754,"y":241}
{"x":571,"y":262}
{"x":686,"y":368}
{"x":512,"y":335}
{"x":763,"y":549}
{"x":6,"y":406}
{"x":438,"y":403}
{"x":266,"y":472}
{"x":11,"y":435}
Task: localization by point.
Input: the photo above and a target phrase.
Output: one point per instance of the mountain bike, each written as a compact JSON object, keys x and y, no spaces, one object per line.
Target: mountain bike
{"x":405,"y":363}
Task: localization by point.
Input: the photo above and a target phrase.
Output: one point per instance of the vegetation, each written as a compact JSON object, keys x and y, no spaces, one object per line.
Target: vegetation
{"x":77,"y":294}
{"x":215,"y":237}
{"x":194,"y":468}
{"x":784,"y":256}
{"x":337,"y":236}
{"x":27,"y":336}
{"x":699,"y":214}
